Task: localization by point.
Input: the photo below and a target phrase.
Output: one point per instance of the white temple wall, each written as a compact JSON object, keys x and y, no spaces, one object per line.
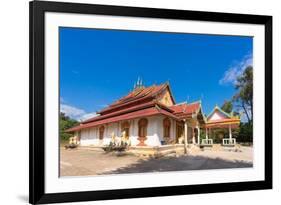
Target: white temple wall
{"x":154,"y":136}
{"x":173,"y":129}
{"x":134,"y":132}
{"x":109,"y":129}
{"x":90,"y":136}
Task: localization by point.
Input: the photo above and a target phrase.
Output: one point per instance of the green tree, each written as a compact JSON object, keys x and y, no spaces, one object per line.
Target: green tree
{"x":243,"y":101}
{"x":66,"y":123}
{"x":244,"y":95}
{"x":245,"y":133}
{"x":227,"y":106}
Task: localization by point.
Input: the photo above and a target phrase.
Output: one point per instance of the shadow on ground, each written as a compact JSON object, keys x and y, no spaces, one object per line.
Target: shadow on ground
{"x":182,"y":163}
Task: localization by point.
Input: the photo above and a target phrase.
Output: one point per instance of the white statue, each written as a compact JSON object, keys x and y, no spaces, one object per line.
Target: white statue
{"x":113,"y":137}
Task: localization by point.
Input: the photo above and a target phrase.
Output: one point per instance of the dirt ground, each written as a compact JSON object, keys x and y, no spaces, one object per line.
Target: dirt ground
{"x":81,"y":162}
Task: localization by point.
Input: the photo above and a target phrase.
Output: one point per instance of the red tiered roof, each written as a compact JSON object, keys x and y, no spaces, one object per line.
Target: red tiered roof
{"x":139,"y":93}
{"x":130,"y":109}
{"x":139,"y":113}
{"x":141,"y":102}
{"x":137,"y":96}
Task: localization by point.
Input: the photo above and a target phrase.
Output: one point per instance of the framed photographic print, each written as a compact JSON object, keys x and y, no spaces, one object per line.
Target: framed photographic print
{"x":130,"y":102}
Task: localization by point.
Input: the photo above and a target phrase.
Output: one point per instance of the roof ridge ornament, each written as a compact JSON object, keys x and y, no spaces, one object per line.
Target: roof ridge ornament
{"x":139,"y":83}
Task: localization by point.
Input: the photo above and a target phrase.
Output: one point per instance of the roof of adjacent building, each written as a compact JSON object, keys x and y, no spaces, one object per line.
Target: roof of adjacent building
{"x":185,"y":108}
{"x":225,"y":119}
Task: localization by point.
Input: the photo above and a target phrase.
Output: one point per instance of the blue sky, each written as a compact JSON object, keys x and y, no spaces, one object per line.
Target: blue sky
{"x":100,"y":66}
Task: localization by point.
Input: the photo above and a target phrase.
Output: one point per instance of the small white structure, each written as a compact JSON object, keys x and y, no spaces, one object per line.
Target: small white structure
{"x":220,"y":119}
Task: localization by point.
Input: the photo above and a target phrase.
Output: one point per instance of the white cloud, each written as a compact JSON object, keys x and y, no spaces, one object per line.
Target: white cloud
{"x":71,"y":111}
{"x":76,"y":113}
{"x":236,"y":69}
{"x":88,"y":116}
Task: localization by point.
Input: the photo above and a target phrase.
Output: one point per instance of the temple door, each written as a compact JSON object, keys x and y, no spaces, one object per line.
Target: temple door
{"x":142,"y":131}
{"x":179,"y":131}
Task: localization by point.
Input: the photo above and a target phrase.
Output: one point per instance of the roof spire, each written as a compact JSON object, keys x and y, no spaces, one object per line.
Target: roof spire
{"x":139,"y":83}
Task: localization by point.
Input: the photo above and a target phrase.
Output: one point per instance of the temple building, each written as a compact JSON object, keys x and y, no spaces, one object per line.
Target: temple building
{"x":150,"y":116}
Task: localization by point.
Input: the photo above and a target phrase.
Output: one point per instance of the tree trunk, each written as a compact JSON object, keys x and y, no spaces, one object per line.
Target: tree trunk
{"x":246,"y":112}
{"x":252,"y":112}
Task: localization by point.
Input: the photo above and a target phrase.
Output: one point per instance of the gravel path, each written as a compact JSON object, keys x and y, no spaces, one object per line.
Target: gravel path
{"x":81,"y":162}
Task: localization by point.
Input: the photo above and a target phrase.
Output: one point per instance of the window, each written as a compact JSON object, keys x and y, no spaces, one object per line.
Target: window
{"x":180,"y":130}
{"x":143,"y":127}
{"x":101,"y":132}
{"x":166,"y":127}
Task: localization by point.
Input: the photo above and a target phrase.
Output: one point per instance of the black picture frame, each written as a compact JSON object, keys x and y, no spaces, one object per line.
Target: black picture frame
{"x":37,"y":193}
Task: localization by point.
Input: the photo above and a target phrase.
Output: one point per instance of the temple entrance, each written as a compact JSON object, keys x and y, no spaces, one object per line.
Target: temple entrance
{"x":196,"y":134}
{"x":142,"y":131}
{"x":101,"y":132}
{"x":179,"y":133}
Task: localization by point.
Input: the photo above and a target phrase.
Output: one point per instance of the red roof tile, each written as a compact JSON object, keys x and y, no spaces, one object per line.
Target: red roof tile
{"x":186,"y":108}
{"x":130,"y":109}
{"x":126,"y":110}
{"x":136,"y":95}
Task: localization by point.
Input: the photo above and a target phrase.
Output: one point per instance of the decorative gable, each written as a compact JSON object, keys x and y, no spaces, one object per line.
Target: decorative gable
{"x":218,"y":114}
{"x":166,"y":98}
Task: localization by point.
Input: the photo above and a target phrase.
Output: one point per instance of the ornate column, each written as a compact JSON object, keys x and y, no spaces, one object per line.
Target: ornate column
{"x":185,"y":136}
{"x":105,"y":130}
{"x":230,"y":132}
{"x":198,"y":135}
{"x":118,"y":129}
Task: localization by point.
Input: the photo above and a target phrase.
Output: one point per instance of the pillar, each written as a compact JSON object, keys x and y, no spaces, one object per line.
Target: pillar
{"x":118,"y":129}
{"x":230,"y":132}
{"x":185,"y":136}
{"x":105,"y":131}
{"x":198,"y":136}
{"x":206,"y":133}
